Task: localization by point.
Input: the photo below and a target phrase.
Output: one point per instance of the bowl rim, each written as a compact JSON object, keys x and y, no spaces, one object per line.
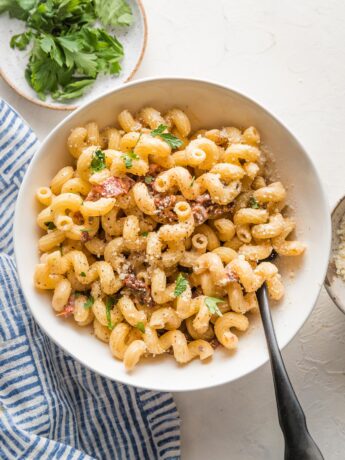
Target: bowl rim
{"x":69,"y":108}
{"x":326,"y":230}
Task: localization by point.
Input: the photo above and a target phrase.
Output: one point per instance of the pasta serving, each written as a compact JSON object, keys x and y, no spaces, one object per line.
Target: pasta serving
{"x":158,"y":238}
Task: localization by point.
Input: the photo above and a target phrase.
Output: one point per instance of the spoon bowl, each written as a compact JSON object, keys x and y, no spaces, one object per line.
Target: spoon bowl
{"x":334,"y":285}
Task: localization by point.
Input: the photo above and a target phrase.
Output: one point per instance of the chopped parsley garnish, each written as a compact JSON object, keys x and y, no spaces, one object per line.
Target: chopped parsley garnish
{"x":192,"y":181}
{"x":169,"y":138}
{"x":211,"y":304}
{"x":141,"y":327}
{"x":88,"y":304}
{"x":149,"y":179}
{"x":253,"y":203}
{"x":159,"y":130}
{"x":68,"y":46}
{"x":83,"y":274}
{"x":181,"y":285}
{"x":128,"y":158}
{"x":98,"y":161}
{"x":50,"y":225}
{"x":144,"y":234}
{"x":109,"y":306}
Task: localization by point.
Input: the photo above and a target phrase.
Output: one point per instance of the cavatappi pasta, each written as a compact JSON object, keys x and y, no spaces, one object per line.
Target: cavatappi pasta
{"x":157,"y":236}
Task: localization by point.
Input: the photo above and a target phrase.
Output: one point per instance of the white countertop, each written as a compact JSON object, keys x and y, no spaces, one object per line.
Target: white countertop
{"x":290,"y":57}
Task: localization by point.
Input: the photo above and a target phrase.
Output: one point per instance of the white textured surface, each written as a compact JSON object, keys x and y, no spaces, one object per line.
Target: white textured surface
{"x":289,"y":56}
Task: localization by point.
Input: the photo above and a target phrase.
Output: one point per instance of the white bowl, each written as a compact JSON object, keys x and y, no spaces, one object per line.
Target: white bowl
{"x":208,"y":105}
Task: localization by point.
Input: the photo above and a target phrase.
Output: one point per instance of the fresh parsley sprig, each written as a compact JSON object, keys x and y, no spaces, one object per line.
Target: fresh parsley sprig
{"x":109,"y":305}
{"x":89,"y":302}
{"x":141,"y":327}
{"x":169,"y":138}
{"x":149,"y":179}
{"x":50,"y":225}
{"x":181,"y":285}
{"x":212,"y":304}
{"x":98,"y":161}
{"x":253,"y":203}
{"x":128,"y":158}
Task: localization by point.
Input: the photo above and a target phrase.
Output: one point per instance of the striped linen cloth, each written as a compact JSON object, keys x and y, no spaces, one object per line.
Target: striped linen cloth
{"x":51,"y":407}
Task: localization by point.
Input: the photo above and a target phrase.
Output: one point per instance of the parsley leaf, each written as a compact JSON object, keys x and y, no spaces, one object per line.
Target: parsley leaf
{"x":42,"y":73}
{"x":169,"y":138}
{"x":144,"y":234}
{"x":109,"y":306}
{"x":88,"y":304}
{"x":20,"y":41}
{"x":141,"y":327}
{"x":73,"y":90}
{"x":86,"y":63}
{"x":159,"y":130}
{"x":114,"y":12}
{"x":17,"y":8}
{"x":98,"y":161}
{"x":211,"y":304}
{"x":172,"y":140}
{"x":253,"y":203}
{"x":47,"y":43}
{"x":83,"y":274}
{"x":128,"y":158}
{"x":149,"y":179}
{"x":50,"y":225}
{"x":69,"y":43}
{"x":181,"y":285}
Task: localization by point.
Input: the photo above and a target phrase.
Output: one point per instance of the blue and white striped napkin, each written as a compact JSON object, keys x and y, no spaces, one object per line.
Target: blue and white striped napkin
{"x":51,"y":407}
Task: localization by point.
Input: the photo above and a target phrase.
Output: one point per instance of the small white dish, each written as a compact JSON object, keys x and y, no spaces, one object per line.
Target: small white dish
{"x":208,"y":105}
{"x":334,"y":285}
{"x":13,"y":61}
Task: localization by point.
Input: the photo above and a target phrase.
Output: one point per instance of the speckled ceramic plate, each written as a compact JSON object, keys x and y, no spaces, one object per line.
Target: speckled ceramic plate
{"x":13,"y":62}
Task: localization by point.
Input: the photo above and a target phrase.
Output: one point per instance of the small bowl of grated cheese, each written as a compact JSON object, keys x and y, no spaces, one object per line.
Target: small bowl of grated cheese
{"x":335,"y":277}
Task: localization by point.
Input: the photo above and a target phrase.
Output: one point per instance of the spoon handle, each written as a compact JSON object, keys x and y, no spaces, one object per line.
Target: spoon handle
{"x":298,"y":442}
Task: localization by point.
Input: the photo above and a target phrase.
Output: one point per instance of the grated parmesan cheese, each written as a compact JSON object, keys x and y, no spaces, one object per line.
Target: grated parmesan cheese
{"x":339,"y":255}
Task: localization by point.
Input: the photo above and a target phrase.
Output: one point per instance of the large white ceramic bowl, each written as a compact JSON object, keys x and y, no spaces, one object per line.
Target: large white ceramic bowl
{"x":208,"y":105}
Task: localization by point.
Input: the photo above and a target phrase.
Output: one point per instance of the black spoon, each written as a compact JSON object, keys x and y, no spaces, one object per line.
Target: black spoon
{"x":299,"y":445}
